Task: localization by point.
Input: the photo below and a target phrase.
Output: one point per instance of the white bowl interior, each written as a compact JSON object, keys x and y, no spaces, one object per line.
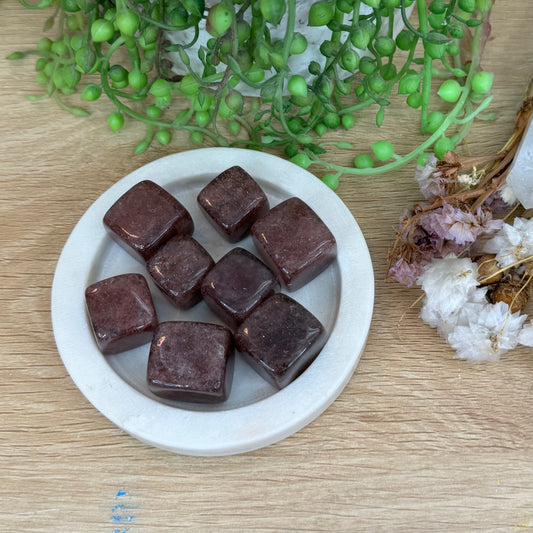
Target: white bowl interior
{"x":321,"y":297}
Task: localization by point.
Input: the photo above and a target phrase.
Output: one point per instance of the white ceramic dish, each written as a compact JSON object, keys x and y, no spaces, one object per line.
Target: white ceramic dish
{"x":255,"y":415}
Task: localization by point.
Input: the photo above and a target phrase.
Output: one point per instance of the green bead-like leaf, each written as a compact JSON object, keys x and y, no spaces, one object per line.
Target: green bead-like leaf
{"x":450,"y":91}
{"x":195,"y":7}
{"x":442,"y":146}
{"x":321,"y":13}
{"x":383,"y":150}
{"x":219,"y":20}
{"x":434,"y":120}
{"x":482,"y":82}
{"x":85,"y":59}
{"x":102,"y":30}
{"x":127,"y":22}
{"x":141,"y":147}
{"x":436,"y":38}
{"x":318,"y":150}
{"x":349,"y":60}
{"x":15,"y":55}
{"x":380,"y":115}
{"x":331,"y":180}
{"x":297,"y":86}
{"x":473,"y":23}
{"x":182,"y":117}
{"x":468,"y":6}
{"x":302,"y":160}
{"x":363,"y":161}
{"x":273,"y":10}
{"x":163,"y":136}
{"x":344,"y":145}
{"x":42,"y":4}
{"x":409,"y":84}
{"x":91,"y":92}
{"x":78,"y":112}
{"x":304,"y":139}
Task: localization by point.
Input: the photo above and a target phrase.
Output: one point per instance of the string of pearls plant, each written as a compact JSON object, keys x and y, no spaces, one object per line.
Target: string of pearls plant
{"x":231,"y":48}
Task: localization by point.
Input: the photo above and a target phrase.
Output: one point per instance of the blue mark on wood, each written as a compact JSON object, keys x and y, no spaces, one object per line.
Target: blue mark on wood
{"x":122,"y":512}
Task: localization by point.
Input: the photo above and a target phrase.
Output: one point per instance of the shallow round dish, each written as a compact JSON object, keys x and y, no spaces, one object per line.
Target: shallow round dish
{"x":255,"y":414}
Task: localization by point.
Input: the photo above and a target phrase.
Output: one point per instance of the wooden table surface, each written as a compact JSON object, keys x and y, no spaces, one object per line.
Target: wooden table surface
{"x":417,"y":442}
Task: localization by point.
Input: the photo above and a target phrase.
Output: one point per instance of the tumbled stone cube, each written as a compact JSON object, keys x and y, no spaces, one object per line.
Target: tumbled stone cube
{"x":121,"y":312}
{"x":191,"y":361}
{"x":178,"y":268}
{"x":236,"y":285}
{"x":145,"y":217}
{"x":294,"y":242}
{"x":232,"y":202}
{"x":280,"y":339}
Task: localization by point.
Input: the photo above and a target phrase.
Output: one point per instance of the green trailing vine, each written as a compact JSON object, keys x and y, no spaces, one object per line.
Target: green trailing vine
{"x":362,"y":64}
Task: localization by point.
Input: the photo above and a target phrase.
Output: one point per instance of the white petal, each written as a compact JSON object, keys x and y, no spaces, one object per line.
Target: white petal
{"x":525,"y":336}
{"x":485,"y":331}
{"x":448,"y":283}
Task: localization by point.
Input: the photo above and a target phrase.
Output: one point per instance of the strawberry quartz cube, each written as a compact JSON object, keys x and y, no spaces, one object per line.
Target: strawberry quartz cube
{"x":280,"y":339}
{"x":232,"y":202}
{"x":191,"y":361}
{"x":294,"y":242}
{"x":236,"y":285}
{"x":178,"y":269}
{"x":121,"y":312}
{"x":145,"y":217}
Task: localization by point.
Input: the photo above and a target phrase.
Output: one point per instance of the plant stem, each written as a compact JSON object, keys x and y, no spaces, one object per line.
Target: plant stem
{"x":289,"y":33}
{"x":426,"y":71}
{"x":448,"y":120}
{"x":152,"y":122}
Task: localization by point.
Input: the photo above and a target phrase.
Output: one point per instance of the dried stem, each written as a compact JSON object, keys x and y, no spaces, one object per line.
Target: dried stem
{"x":495,"y":169}
{"x":507,"y":268}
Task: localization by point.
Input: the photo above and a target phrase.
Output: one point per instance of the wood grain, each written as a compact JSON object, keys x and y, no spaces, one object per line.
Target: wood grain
{"x":417,"y":442}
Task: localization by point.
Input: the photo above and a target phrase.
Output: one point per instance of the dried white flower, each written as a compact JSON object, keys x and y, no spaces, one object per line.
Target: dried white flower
{"x":470,"y":180}
{"x":507,"y":195}
{"x":525,"y":336}
{"x":485,"y":331}
{"x":512,"y":243}
{"x":434,"y":318}
{"x":448,"y":283}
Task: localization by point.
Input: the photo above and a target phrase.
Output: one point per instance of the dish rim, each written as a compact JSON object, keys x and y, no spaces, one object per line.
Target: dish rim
{"x":243,"y":429}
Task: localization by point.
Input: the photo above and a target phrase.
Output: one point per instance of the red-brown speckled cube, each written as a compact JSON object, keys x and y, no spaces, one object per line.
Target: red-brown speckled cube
{"x":191,"y":361}
{"x":280,"y":339}
{"x":178,"y":268}
{"x":236,"y":285}
{"x":294,"y":242}
{"x":145,"y":217}
{"x":232,"y":202}
{"x":121,"y":312}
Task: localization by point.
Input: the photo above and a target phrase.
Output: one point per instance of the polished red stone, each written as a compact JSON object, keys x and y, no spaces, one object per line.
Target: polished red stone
{"x":178,"y":268}
{"x":236,"y":285}
{"x":294,"y":242}
{"x":232,"y":202}
{"x":191,"y":361}
{"x":145,"y":217}
{"x":280,"y":339}
{"x":121,"y":312}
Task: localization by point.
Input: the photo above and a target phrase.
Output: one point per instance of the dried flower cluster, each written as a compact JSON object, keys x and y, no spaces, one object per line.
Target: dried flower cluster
{"x":469,"y":250}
